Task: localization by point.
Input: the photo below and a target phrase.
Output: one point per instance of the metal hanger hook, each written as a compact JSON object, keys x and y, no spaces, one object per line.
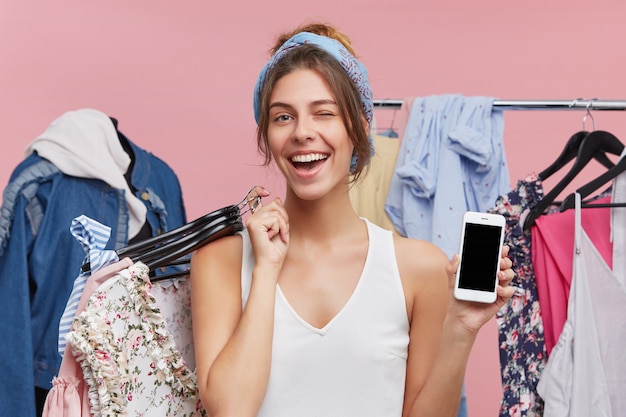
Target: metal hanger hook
{"x":588,"y":114}
{"x":252,"y":203}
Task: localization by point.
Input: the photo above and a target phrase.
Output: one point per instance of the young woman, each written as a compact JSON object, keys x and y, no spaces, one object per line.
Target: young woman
{"x":312,"y":310}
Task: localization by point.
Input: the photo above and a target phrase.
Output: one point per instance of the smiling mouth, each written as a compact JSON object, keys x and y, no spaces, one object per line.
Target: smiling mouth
{"x":308,"y":161}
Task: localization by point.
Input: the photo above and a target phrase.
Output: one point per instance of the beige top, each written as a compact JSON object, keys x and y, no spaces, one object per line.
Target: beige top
{"x":368,"y":195}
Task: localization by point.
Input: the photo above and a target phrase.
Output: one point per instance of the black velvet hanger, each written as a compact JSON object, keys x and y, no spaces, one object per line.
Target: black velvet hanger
{"x":227,"y":224}
{"x":593,"y":144}
{"x":593,"y":185}
{"x":168,"y":248}
{"x":162,"y":244}
{"x":570,"y":151}
{"x":196,"y":226}
{"x":221,"y":230}
{"x":182,"y":266}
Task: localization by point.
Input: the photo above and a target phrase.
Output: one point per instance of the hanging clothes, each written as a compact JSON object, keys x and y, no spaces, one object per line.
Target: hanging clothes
{"x":39,"y":258}
{"x":93,"y":237}
{"x":586,"y":372}
{"x":520,"y":326}
{"x":552,"y":257}
{"x":77,"y":393}
{"x":369,"y":193}
{"x":69,"y":395}
{"x":174,"y":300}
{"x":63,"y":143}
{"x":451,"y":160}
{"x":129,"y":358}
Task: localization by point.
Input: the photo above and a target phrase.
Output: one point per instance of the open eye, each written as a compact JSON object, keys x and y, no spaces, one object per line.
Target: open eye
{"x":282,"y":118}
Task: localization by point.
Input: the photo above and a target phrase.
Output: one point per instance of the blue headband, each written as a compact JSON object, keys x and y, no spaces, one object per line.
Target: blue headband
{"x":355,"y":70}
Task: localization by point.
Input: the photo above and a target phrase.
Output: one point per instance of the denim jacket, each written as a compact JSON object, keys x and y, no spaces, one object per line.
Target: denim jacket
{"x":39,"y":258}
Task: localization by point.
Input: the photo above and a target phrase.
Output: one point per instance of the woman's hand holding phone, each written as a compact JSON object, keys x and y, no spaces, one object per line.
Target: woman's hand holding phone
{"x":481,"y":273}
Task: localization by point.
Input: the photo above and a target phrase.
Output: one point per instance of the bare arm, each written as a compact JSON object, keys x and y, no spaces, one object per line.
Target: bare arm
{"x":233,"y":348}
{"x":443,"y":329}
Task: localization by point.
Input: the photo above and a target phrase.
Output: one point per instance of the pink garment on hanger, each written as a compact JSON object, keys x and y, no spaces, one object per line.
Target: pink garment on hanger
{"x":552,"y":255}
{"x":586,"y":373}
{"x":68,"y":396}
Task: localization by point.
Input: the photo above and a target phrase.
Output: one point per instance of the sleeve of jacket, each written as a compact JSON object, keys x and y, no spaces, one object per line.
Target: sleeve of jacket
{"x":17,"y":396}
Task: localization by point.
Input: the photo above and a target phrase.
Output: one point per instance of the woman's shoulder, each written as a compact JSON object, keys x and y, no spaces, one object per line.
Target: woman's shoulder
{"x":412,"y":255}
{"x":226,"y":250}
{"x":422,"y":266}
{"x":418,"y":253}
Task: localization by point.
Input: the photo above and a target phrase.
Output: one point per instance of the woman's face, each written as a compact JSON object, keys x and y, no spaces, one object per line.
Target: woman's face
{"x":307,"y":136}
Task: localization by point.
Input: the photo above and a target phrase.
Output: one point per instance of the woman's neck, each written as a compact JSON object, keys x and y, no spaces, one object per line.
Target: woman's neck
{"x":323,"y":219}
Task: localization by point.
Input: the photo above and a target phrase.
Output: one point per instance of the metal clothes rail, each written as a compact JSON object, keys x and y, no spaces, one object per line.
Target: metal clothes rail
{"x":577,"y":104}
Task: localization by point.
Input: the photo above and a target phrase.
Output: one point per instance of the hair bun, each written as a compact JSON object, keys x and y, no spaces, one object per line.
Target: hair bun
{"x":321,"y":29}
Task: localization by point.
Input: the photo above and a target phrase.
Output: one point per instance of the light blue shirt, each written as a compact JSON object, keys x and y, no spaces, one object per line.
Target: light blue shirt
{"x":93,"y":236}
{"x":451,"y":160}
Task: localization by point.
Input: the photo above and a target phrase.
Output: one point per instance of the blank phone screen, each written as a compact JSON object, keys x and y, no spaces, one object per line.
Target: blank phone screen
{"x":479,"y":261}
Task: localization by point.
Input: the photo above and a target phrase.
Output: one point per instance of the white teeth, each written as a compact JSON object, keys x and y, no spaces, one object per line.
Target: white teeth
{"x":309,"y":157}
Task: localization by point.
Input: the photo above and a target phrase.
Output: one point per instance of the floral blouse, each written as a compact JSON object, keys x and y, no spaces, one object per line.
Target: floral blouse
{"x":129,"y":357}
{"x":520,"y":327}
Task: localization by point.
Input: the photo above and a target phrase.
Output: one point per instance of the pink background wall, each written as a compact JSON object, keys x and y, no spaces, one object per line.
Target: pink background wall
{"x":179,"y":78}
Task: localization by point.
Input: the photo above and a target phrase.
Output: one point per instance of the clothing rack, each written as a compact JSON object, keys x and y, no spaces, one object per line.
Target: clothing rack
{"x":577,"y":104}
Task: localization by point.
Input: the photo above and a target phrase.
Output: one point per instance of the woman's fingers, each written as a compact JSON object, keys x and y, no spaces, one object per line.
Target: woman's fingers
{"x":268,"y":228}
{"x":253,"y":197}
{"x":271,"y":218}
{"x":506,"y":273}
{"x":451,"y":269}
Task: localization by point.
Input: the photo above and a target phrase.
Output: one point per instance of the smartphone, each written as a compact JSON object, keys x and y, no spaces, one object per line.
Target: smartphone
{"x":482,"y":237}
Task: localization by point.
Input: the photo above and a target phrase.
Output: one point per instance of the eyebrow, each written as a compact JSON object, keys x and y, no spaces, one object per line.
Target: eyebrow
{"x":313,"y":103}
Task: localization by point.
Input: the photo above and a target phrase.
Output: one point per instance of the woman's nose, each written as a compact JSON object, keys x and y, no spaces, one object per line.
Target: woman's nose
{"x":304,"y":130}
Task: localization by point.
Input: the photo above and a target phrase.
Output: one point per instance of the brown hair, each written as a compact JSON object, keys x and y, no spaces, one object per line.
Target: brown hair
{"x":321,"y":29}
{"x":345,"y":92}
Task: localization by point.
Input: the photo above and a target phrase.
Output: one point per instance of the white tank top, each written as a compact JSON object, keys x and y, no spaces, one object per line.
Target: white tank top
{"x":586,"y":372}
{"x":353,"y":366}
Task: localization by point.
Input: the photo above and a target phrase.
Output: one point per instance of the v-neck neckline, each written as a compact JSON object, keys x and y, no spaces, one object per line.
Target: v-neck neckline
{"x":324,"y":329}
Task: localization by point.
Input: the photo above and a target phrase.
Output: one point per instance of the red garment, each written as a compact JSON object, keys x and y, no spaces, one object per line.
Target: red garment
{"x":552,"y":256}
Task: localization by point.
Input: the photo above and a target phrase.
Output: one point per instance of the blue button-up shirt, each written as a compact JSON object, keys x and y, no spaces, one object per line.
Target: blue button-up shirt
{"x":451,"y":160}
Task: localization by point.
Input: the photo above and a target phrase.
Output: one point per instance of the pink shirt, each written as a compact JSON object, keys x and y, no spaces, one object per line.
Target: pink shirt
{"x":552,"y":255}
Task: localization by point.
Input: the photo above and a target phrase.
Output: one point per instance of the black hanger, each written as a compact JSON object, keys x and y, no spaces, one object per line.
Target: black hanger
{"x":222,"y":230}
{"x":141,"y":249}
{"x":164,"y":254}
{"x":179,"y":272}
{"x":593,"y":185}
{"x":187,"y":238}
{"x":196,"y":225}
{"x":570,"y":151}
{"x":162,"y":250}
{"x":596,"y":142}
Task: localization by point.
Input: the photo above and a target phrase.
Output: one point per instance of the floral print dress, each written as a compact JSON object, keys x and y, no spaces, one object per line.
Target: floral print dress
{"x":129,"y":357}
{"x":520,"y":327}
